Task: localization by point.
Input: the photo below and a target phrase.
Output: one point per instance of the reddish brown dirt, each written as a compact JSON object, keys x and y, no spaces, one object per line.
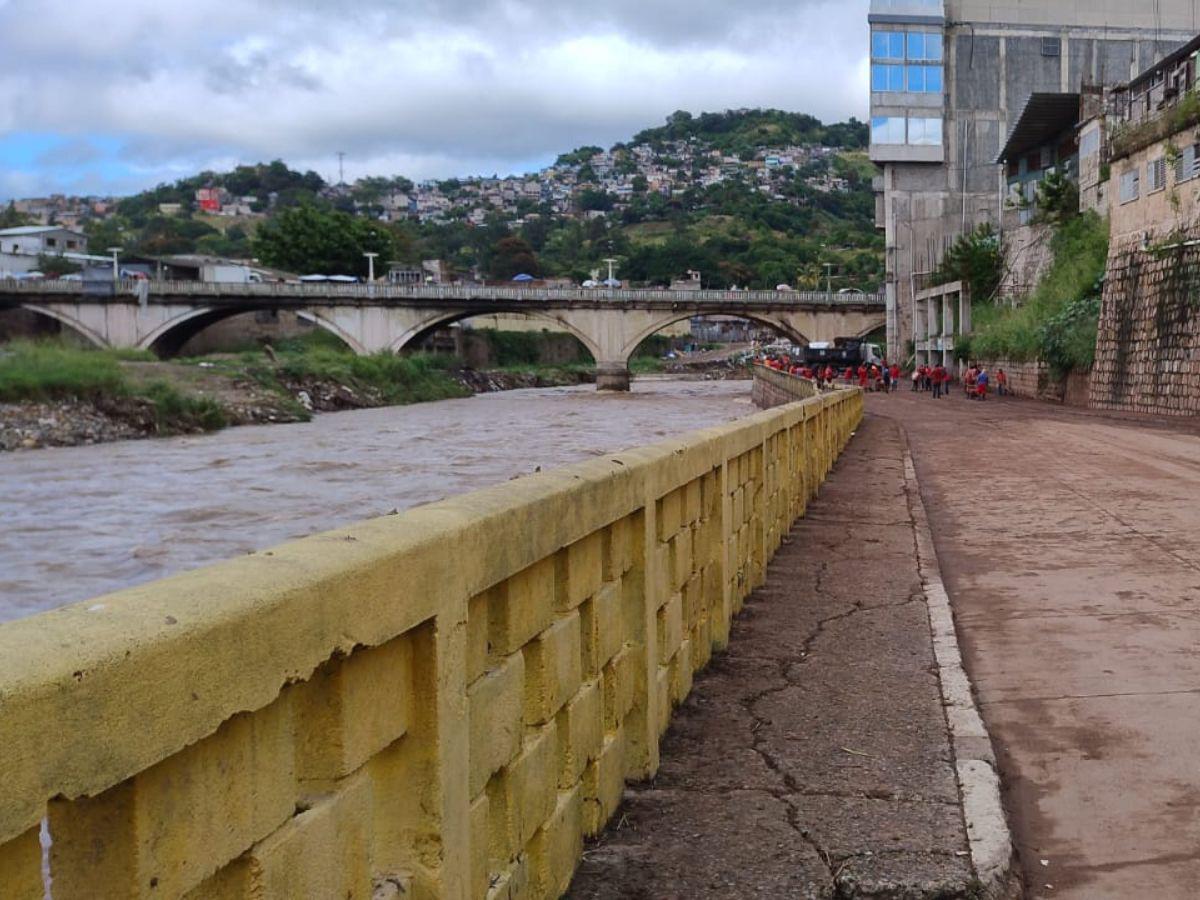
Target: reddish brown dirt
{"x":812,"y":758}
{"x":1070,"y":546}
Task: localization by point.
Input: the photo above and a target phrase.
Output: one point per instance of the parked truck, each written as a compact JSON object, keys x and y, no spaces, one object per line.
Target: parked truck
{"x":842,"y":352}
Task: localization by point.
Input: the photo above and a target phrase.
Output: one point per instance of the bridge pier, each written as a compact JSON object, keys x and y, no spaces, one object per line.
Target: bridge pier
{"x":612,"y":377}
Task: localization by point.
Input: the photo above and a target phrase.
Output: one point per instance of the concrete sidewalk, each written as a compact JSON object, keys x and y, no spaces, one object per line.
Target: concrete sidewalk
{"x":813,"y":758}
{"x":1070,"y":545}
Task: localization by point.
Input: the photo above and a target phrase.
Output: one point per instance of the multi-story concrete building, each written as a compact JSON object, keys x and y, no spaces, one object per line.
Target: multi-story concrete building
{"x":948,"y":77}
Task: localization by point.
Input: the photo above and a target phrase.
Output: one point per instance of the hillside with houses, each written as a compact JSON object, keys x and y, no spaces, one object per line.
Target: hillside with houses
{"x":747,"y":197}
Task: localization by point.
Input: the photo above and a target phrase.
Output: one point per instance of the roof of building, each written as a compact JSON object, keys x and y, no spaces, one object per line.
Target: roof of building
{"x":1045,"y":116}
{"x":1167,"y":61}
{"x":33,"y":229}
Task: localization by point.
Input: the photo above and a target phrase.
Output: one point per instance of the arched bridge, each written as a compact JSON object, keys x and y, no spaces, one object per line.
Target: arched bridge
{"x":161,"y":315}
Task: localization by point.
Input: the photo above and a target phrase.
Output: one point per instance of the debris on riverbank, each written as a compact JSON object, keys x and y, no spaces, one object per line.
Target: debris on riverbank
{"x":61,"y":397}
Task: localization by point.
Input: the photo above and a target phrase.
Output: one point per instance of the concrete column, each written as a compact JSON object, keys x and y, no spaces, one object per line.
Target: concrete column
{"x":612,"y":376}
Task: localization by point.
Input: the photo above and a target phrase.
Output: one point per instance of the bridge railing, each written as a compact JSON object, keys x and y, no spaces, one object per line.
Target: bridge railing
{"x":447,"y":293}
{"x":432,"y":704}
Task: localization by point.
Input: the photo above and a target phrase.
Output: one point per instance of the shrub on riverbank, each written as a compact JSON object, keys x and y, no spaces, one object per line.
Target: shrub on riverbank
{"x":35,"y":370}
{"x":393,"y":379}
{"x":41,"y":371}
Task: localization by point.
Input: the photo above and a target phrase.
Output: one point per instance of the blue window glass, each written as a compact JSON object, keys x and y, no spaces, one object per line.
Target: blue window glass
{"x":916,"y":45}
{"x":933,"y":47}
{"x":887,"y":130}
{"x":887,"y":78}
{"x":933,"y":79}
{"x":916,"y":79}
{"x":925,"y":132}
{"x":887,"y":45}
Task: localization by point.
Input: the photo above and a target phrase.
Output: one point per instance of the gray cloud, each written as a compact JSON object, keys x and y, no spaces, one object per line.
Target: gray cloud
{"x":420,"y":87}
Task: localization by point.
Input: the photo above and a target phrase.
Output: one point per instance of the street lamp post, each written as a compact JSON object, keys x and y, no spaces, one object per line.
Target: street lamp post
{"x":116,"y":265}
{"x":611,"y":262}
{"x":370,"y":272}
{"x":829,"y":282}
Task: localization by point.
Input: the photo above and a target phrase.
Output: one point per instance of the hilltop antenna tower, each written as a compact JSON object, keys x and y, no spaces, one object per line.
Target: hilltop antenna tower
{"x":341,"y":167}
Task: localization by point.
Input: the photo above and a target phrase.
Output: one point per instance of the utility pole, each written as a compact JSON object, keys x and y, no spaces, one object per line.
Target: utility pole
{"x":116,"y":266}
{"x":829,"y":281}
{"x":371,"y":272}
{"x":611,"y":262}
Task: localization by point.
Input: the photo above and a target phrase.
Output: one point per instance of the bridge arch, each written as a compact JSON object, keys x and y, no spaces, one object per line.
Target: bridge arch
{"x":88,"y":334}
{"x":777,"y":325}
{"x":440,"y":320}
{"x":169,"y":337}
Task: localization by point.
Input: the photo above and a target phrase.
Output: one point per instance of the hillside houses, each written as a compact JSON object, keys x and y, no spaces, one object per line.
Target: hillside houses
{"x":669,"y":169}
{"x":581,"y":185}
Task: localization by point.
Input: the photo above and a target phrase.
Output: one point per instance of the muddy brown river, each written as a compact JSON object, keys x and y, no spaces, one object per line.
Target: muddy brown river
{"x":82,"y":521}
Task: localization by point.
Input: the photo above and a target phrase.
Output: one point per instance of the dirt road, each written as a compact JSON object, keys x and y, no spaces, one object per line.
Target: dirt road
{"x":1070,"y":545}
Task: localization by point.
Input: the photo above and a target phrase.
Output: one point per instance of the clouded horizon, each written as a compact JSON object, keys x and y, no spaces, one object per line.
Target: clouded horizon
{"x":100,"y":98}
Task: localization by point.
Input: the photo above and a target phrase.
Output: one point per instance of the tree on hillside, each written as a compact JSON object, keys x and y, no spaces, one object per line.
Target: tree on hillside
{"x":104,"y":233}
{"x":10,"y":218}
{"x":513,"y":256}
{"x":309,"y":239}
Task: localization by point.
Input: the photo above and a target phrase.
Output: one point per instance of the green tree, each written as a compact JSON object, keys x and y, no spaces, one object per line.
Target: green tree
{"x":10,"y":218}
{"x":309,"y":239}
{"x":513,"y":256}
{"x":974,"y":259}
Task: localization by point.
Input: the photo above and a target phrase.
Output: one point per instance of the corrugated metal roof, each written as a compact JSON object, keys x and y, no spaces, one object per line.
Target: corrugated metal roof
{"x":34,"y":229}
{"x":1044,"y":116}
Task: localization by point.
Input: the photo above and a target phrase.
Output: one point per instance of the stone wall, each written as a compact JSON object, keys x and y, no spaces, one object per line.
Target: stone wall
{"x":442,"y":703}
{"x":1035,"y":381}
{"x":774,"y":388}
{"x":1148,"y":346}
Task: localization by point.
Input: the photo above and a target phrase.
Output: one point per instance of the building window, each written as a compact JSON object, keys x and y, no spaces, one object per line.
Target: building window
{"x":1130,"y":186}
{"x":924,"y":46}
{"x":925,"y":132}
{"x":1089,"y":143}
{"x":887,"y":45}
{"x":887,"y":130}
{"x":914,"y":47}
{"x":1156,"y":175}
{"x":1187,"y":166}
{"x":1051,"y":46}
{"x":887,"y":78}
{"x":51,"y":242}
{"x":924,"y":79}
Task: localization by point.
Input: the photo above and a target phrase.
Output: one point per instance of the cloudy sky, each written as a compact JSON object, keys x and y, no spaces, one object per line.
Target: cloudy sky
{"x":114,"y":96}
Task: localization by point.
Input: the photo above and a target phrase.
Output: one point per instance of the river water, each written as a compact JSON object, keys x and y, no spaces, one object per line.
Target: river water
{"x":83,"y":521}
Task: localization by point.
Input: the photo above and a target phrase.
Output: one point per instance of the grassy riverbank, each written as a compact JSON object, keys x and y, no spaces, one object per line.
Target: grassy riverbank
{"x":46,"y":372}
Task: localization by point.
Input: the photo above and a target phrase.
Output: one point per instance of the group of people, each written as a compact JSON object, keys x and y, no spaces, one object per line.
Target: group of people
{"x":880,"y":377}
{"x":975,"y":381}
{"x":884,"y":377}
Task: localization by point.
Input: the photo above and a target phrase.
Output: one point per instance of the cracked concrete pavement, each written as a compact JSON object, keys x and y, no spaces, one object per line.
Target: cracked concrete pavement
{"x":1069,"y":543}
{"x":812,"y":759}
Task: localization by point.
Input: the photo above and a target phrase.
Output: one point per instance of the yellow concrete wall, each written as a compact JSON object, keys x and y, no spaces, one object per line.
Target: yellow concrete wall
{"x":443,"y":703}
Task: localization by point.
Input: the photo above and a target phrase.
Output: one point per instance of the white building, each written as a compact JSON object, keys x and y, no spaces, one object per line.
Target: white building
{"x":32,"y":240}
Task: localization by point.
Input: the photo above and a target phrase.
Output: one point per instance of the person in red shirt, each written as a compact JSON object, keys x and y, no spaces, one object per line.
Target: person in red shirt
{"x":1001,"y":383}
{"x":938,"y":377}
{"x":849,"y":375}
{"x":862,"y":377}
{"x":895,"y":375}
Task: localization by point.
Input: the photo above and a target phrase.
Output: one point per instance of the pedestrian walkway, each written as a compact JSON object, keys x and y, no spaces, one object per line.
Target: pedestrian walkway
{"x":812,"y":759}
{"x":1070,"y":546}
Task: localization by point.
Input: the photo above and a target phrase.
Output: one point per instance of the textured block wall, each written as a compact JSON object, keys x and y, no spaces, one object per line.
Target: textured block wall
{"x":444,"y":703}
{"x":1148,"y":345}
